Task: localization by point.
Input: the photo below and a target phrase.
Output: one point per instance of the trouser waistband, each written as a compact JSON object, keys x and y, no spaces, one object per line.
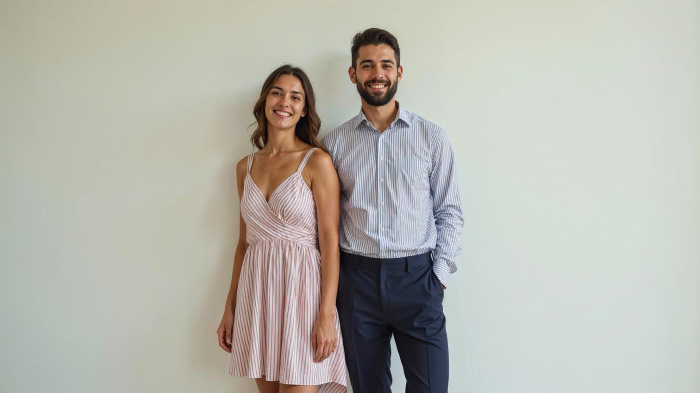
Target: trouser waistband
{"x":408,"y":263}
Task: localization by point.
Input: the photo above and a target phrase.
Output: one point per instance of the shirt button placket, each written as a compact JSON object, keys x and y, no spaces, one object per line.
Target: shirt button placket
{"x":381,"y":171}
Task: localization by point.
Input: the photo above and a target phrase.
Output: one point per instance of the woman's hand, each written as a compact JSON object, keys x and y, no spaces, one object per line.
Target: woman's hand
{"x":224,"y":330}
{"x":324,"y":337}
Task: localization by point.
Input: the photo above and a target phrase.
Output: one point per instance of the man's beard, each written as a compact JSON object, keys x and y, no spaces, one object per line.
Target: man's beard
{"x":379,"y":100}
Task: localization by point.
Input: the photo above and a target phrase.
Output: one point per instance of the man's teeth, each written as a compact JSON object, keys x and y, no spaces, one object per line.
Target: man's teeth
{"x":377,"y":86}
{"x":282,"y":113}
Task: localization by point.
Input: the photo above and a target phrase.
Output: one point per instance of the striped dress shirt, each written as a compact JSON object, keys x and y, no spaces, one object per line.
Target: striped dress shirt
{"x":398,"y":190}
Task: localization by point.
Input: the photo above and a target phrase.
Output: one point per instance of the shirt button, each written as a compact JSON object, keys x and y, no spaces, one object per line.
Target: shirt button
{"x":381,"y":158}
{"x":382,"y":229}
{"x":382,"y":203}
{"x":381,"y":180}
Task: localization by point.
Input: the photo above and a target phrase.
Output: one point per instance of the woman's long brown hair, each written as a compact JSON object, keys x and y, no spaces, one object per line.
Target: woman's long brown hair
{"x":308,"y":126}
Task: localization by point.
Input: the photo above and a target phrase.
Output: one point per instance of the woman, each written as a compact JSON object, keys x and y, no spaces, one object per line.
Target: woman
{"x":280,"y":321}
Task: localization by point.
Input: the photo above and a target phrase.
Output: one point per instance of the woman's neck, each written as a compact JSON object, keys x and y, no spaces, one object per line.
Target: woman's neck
{"x":279,"y":141}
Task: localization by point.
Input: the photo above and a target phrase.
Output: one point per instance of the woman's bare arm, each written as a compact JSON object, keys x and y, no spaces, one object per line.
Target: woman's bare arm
{"x":326,"y":191}
{"x":226,"y":325}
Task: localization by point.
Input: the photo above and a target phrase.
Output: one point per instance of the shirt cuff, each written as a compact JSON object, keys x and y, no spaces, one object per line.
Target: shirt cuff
{"x":442,"y":271}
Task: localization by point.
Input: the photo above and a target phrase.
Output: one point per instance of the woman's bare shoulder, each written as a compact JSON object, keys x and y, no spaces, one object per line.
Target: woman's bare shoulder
{"x":320,"y":160}
{"x":242,"y":166}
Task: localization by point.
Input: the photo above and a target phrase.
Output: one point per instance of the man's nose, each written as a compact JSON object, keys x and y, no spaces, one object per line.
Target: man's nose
{"x":377,"y":73}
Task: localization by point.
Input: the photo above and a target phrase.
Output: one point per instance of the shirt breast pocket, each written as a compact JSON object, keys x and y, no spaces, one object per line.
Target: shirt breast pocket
{"x":415,"y":171}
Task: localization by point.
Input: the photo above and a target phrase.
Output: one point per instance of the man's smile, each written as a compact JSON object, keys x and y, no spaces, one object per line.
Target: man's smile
{"x":376,"y":86}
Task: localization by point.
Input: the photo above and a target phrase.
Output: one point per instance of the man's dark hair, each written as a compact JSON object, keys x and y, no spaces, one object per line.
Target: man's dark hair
{"x":374,"y":36}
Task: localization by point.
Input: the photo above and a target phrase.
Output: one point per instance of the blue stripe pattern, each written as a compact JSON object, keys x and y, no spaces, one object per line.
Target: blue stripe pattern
{"x":399,"y":194}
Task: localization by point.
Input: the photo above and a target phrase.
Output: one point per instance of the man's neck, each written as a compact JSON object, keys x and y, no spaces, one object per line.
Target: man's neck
{"x":381,"y":116}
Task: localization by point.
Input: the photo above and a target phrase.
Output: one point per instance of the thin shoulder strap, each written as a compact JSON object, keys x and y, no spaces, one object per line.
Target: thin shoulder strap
{"x":250,"y":161}
{"x":306,"y":158}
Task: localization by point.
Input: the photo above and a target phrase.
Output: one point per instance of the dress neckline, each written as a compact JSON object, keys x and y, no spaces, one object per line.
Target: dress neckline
{"x":301,"y":166}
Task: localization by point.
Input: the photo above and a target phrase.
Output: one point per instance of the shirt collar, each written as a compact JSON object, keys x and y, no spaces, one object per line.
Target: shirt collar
{"x":402,"y":115}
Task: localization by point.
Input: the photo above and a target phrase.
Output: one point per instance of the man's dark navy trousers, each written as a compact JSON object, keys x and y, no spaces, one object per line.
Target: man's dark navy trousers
{"x":378,"y":298}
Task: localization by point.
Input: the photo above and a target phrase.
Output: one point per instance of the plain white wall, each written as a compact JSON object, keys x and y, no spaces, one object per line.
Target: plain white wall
{"x":577,"y":134}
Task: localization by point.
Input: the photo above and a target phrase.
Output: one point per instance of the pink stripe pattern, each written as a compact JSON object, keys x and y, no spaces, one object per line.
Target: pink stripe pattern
{"x":279,"y":291}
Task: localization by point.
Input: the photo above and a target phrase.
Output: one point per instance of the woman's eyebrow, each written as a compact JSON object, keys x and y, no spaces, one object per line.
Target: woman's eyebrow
{"x":293,"y":91}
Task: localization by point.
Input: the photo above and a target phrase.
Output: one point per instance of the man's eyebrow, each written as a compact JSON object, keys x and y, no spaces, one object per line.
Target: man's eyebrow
{"x":372,"y":61}
{"x":293,"y":91}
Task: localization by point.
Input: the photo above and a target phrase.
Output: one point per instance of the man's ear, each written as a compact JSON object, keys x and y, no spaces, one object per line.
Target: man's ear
{"x":351,"y":73}
{"x":399,"y":72}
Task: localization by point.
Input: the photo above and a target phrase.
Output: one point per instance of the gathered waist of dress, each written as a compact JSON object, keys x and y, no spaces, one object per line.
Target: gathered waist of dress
{"x":307,"y":242}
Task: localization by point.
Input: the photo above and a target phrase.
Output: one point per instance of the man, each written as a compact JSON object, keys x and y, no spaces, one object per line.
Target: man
{"x":400,"y":222}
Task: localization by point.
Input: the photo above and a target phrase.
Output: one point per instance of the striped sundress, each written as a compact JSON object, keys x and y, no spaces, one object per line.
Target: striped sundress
{"x":279,"y":291}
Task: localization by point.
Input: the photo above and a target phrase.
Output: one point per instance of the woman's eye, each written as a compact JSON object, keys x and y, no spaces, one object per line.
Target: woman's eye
{"x":296,"y":98}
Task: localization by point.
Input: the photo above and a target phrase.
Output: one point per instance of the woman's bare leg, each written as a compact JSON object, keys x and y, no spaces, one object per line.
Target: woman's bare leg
{"x":267,"y":386}
{"x":298,"y":388}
